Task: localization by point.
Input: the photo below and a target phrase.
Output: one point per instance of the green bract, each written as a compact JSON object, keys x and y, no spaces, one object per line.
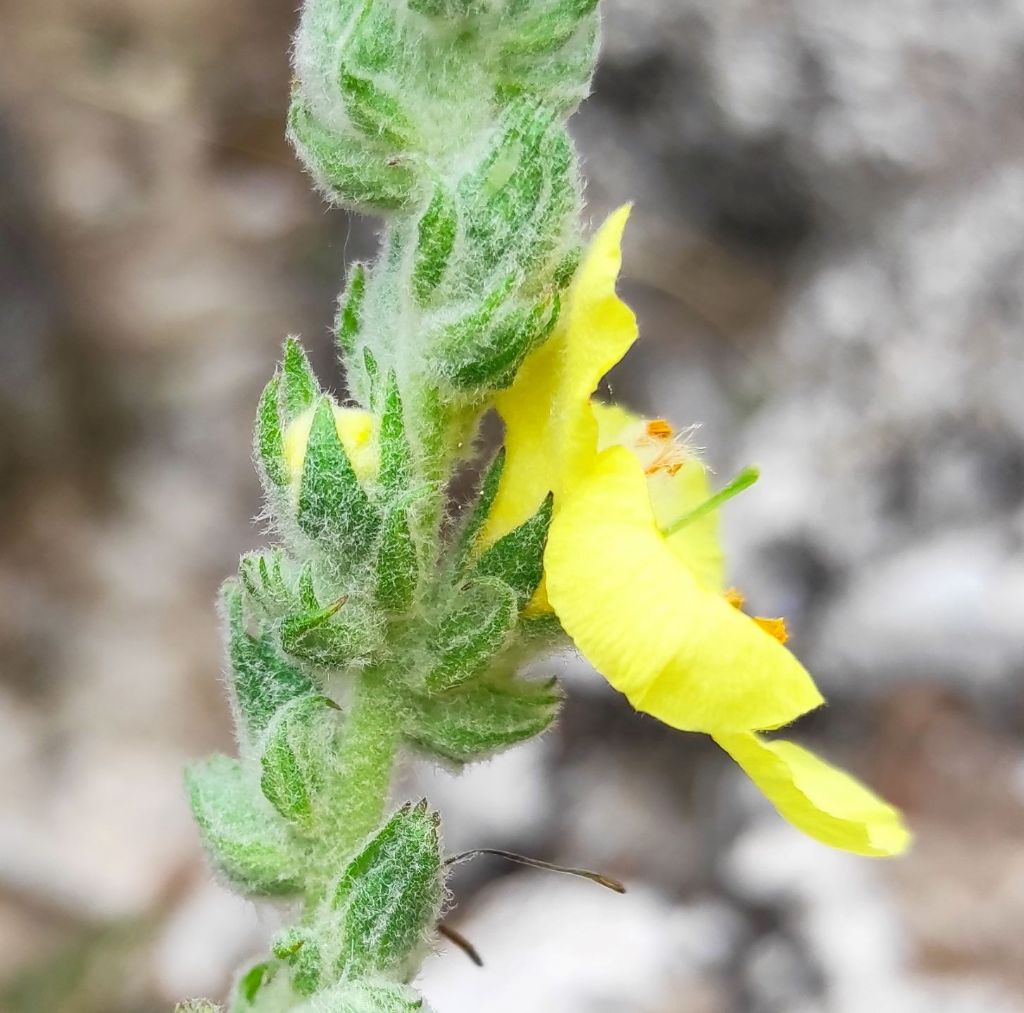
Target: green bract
{"x":379,"y":620}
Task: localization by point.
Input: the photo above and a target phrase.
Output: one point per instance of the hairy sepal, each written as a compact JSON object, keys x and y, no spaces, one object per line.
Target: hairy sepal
{"x":243,"y":835}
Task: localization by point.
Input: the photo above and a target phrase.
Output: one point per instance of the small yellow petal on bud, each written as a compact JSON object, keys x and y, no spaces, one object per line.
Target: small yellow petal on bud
{"x":355,"y":430}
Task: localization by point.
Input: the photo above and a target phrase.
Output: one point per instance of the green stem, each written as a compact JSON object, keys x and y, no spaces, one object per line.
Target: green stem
{"x":369,"y":747}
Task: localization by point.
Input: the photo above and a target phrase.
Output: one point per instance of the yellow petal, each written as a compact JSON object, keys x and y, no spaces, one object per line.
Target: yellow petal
{"x":677,"y":482}
{"x":677,"y":650}
{"x":355,"y":430}
{"x":821,"y":800}
{"x":550,"y":431}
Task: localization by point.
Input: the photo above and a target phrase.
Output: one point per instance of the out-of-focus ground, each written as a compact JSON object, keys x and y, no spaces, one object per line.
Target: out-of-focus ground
{"x":827,"y":258}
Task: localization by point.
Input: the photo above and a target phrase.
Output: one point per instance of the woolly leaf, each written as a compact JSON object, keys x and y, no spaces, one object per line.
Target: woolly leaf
{"x":550,"y":30}
{"x":566,"y":269}
{"x":365,"y":996}
{"x":500,"y":200}
{"x":448,"y":8}
{"x":293,"y":761}
{"x":261,"y":576}
{"x":517,"y":558}
{"x":481,"y":508}
{"x":372,"y":371}
{"x":472,"y":633}
{"x":389,"y":896}
{"x":243,"y":835}
{"x":251,"y":983}
{"x":197,"y":1006}
{"x":300,"y":388}
{"x":307,"y":589}
{"x":467,"y":345}
{"x":349,"y":321}
{"x":333,"y":505}
{"x":261,"y":680}
{"x":471,"y":723}
{"x":436,"y":239}
{"x":268,"y":438}
{"x":300,"y":950}
{"x":395,"y":455}
{"x":349,"y":174}
{"x":490,"y":359}
{"x":397,"y":563}
{"x":319,"y":639}
{"x":376,"y":112}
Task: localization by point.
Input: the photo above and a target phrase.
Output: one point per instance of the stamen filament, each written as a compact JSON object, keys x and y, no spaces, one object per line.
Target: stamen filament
{"x":510,"y":856}
{"x":744,"y":480}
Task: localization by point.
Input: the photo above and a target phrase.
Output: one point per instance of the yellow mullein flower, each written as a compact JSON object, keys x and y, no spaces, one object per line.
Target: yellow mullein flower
{"x":825,"y":803}
{"x":675,"y":647}
{"x":355,"y":430}
{"x":649,"y":609}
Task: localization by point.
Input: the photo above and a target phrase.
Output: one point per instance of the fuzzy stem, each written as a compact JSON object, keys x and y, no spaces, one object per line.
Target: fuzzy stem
{"x":368,"y":756}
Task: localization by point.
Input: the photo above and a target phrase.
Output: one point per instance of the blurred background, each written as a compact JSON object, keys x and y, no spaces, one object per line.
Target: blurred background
{"x":827,"y":258}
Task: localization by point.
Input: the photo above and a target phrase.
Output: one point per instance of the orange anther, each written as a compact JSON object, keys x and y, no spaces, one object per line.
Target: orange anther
{"x":774,"y":628}
{"x":659,"y":429}
{"x":734,"y":597}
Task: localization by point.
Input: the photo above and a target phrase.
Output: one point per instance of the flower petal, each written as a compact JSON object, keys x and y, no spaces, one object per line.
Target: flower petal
{"x":817,"y":798}
{"x":677,"y":650}
{"x":355,"y":430}
{"x":550,"y":432}
{"x":675,"y":489}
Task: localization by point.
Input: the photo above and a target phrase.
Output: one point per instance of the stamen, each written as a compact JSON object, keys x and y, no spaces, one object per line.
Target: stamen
{"x":659,"y":429}
{"x":744,"y":480}
{"x":536,"y":863}
{"x":773,"y":627}
{"x":461,"y":942}
{"x":734,"y":596}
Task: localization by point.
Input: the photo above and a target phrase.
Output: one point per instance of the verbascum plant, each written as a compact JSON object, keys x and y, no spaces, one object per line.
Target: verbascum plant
{"x":386,"y":619}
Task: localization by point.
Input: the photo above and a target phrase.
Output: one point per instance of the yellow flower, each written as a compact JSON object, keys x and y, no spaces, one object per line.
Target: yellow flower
{"x":648,"y":609}
{"x":825,"y":803}
{"x":355,"y":430}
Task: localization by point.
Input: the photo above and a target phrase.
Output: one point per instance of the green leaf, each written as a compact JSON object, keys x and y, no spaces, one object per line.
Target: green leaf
{"x":481,"y":508}
{"x":297,"y":755}
{"x":264,"y":582}
{"x":475,"y":630}
{"x":500,"y":199}
{"x":389,"y":896}
{"x":268,"y":438}
{"x":494,"y":355}
{"x":349,"y":321}
{"x":307,"y":589}
{"x":436,"y":234}
{"x":299,"y":948}
{"x":567,"y":266}
{"x":319,"y":639}
{"x":242,"y":833}
{"x":333,"y":506}
{"x":478,"y":720}
{"x":251,"y":983}
{"x":351,"y":175}
{"x":395,"y":454}
{"x":397,"y":563}
{"x":550,"y":30}
{"x":299,"y":383}
{"x":261,"y":680}
{"x":376,"y":112}
{"x":364,"y":996}
{"x":517,"y":559}
{"x":372,"y":371}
